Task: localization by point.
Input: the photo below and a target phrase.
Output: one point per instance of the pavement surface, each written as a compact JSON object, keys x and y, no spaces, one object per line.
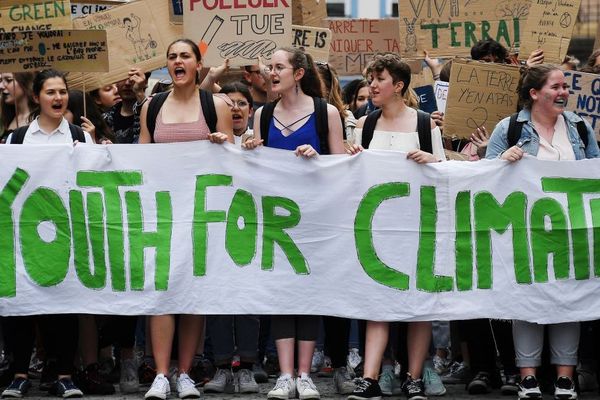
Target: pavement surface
{"x":325,"y":386}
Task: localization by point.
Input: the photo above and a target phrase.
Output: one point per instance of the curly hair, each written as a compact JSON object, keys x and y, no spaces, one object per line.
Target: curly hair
{"x":398,"y":69}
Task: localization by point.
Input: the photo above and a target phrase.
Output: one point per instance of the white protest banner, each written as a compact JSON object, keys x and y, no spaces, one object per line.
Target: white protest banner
{"x":549,"y":26}
{"x":68,"y":50}
{"x":451,"y":28}
{"x":355,"y":41}
{"x":138,"y":34}
{"x":237,"y":30}
{"x":584,"y":97}
{"x":34,"y":15}
{"x":479,"y":94}
{"x":251,"y":232}
{"x":315,"y":41}
{"x":440,"y":89}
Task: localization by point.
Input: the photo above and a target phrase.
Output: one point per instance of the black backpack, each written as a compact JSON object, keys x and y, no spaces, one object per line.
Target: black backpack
{"x":206,"y":101}
{"x":18,"y":134}
{"x":423,"y":129}
{"x":515,"y":127}
{"x":321,"y":116}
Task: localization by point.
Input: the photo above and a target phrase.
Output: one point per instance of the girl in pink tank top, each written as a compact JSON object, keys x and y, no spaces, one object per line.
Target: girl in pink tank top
{"x":181,"y":119}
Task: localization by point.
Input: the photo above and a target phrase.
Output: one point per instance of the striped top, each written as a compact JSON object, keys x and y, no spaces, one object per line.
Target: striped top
{"x":181,"y":131}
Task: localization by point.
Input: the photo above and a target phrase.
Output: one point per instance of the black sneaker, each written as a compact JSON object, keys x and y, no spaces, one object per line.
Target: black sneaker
{"x":414,"y":389}
{"x":366,"y":388}
{"x":17,"y":388}
{"x":91,"y":382}
{"x":65,"y":388}
{"x":564,"y":389}
{"x":480,"y":384}
{"x":529,"y":388}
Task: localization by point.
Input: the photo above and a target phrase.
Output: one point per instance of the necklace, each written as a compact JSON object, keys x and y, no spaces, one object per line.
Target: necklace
{"x":288,"y":127}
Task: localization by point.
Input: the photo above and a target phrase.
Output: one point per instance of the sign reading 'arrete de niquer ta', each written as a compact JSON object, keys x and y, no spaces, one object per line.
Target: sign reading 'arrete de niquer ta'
{"x":106,"y":229}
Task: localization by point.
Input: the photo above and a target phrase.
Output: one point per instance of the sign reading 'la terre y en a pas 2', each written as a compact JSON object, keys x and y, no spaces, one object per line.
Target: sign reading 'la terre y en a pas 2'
{"x":212,"y":229}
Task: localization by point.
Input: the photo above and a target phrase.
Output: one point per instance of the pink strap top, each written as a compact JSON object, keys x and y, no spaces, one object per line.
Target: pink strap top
{"x":181,"y":131}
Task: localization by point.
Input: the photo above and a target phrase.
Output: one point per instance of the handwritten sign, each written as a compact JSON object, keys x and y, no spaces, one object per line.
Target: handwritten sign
{"x":550,"y":26}
{"x":426,"y":98}
{"x":238,"y":31}
{"x":480,"y":94}
{"x":315,"y":41}
{"x":35,"y":15}
{"x":68,"y":50}
{"x":584,"y":97}
{"x":309,"y":12}
{"x":355,"y":41}
{"x":451,"y":28}
{"x":138,"y":34}
{"x":440,"y":90}
{"x":81,"y":10}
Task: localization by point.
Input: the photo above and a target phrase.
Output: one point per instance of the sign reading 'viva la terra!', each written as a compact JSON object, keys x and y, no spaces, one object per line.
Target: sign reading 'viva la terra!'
{"x":263,"y":228}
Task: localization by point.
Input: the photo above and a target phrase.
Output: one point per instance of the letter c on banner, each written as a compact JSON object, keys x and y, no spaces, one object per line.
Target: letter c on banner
{"x":363,"y":224}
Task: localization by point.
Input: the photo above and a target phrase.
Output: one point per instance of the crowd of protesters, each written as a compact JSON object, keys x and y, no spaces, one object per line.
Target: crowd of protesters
{"x":296,"y":104}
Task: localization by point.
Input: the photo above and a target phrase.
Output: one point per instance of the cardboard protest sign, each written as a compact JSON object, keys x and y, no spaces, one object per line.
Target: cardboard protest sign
{"x":480,"y":94}
{"x":450,"y":28}
{"x":35,"y":15}
{"x":138,"y":34}
{"x":68,"y":50}
{"x":549,"y":26}
{"x":81,"y":10}
{"x":440,"y":90}
{"x":238,"y":31}
{"x":584,"y":97}
{"x":355,"y":41}
{"x":309,"y":12}
{"x":426,"y":98}
{"x":315,"y":41}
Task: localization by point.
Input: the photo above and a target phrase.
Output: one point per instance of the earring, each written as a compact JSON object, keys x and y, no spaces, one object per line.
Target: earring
{"x":297,"y":88}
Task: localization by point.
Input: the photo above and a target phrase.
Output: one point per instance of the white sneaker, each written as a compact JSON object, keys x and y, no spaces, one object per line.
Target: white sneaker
{"x":529,"y":388}
{"x":285,"y":388}
{"x":353,"y":359}
{"x":160,"y":388}
{"x":317,"y":360}
{"x":564,"y":389}
{"x":186,"y":387}
{"x":306,"y":388}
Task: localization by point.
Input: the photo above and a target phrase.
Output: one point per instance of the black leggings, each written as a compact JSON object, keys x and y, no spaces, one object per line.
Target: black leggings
{"x":59,"y":335}
{"x":299,"y":327}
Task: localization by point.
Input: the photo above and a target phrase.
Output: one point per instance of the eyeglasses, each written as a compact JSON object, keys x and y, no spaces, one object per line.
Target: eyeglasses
{"x":277,"y":69}
{"x":238,"y":103}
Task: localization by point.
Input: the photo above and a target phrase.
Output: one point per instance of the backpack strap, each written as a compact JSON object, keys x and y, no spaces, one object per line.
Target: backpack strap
{"x":77,"y":133}
{"x":369,"y":127}
{"x":424,"y":131}
{"x":583,"y":133}
{"x":514,"y":130}
{"x":208,"y":109}
{"x":265,"y":119}
{"x":18,"y":135}
{"x":154,"y":106}
{"x":322,"y":124}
